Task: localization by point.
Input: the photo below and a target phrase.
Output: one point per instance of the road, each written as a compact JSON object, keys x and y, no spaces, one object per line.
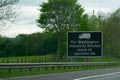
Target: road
{"x":109,"y":76}
{"x":101,"y":74}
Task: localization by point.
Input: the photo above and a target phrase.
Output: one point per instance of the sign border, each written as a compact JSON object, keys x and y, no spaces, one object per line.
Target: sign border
{"x":86,"y":56}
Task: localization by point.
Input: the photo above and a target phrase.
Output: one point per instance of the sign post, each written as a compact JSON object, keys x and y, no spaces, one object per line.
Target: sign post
{"x":84,"y":44}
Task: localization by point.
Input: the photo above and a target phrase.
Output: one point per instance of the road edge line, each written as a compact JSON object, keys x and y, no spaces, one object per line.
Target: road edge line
{"x":96,"y":76}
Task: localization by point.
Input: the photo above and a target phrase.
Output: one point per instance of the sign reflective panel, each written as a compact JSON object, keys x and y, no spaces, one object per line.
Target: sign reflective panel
{"x":84,"y":44}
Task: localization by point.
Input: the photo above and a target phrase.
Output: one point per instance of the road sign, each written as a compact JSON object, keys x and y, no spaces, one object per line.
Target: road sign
{"x":84,"y":44}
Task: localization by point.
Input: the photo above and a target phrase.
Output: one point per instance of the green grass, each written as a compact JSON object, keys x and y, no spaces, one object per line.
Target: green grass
{"x":28,"y":59}
{"x":104,"y":58}
{"x":52,"y":58}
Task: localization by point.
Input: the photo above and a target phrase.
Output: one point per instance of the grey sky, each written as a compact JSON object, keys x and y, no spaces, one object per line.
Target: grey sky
{"x":30,"y":2}
{"x":26,"y":21}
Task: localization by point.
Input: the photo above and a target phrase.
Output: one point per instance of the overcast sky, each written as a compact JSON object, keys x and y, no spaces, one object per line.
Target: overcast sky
{"x":26,"y":22}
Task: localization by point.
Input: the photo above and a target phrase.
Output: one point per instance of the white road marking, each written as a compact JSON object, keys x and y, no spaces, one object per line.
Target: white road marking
{"x":96,"y":76}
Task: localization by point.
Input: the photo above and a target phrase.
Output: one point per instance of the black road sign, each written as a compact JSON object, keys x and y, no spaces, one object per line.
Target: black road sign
{"x":84,"y":44}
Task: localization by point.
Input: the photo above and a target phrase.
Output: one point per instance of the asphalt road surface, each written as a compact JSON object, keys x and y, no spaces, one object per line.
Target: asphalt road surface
{"x":109,"y":76}
{"x":101,"y":74}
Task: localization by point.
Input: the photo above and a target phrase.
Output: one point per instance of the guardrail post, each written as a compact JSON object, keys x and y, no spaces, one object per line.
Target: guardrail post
{"x":9,"y":70}
{"x":64,"y":67}
{"x":107,"y":65}
{"x":58,"y":67}
{"x":30,"y":69}
{"x":77,"y":66}
{"x":52,"y":67}
{"x":38,"y":69}
{"x":74,"y":67}
{"x":20,"y":69}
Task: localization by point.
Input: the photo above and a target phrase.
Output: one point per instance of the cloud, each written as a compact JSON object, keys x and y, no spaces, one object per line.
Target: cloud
{"x":26,"y":21}
{"x":90,"y":10}
{"x":31,"y":2}
{"x":14,"y":30}
{"x":100,"y":5}
{"x":28,"y":14}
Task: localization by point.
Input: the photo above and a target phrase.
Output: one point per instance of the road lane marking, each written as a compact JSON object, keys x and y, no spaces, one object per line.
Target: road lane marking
{"x":96,"y":76}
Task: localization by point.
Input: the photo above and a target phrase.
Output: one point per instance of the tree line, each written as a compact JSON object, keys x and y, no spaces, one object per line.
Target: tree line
{"x":46,"y":42}
{"x":28,"y":45}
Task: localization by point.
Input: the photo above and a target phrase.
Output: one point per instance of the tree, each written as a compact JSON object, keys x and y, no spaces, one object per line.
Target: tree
{"x":7,"y":12}
{"x":60,"y":16}
{"x":112,"y":33}
{"x":30,"y":44}
{"x":95,"y":21}
{"x":3,"y":43}
{"x":49,"y":45}
{"x":34,"y":42}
